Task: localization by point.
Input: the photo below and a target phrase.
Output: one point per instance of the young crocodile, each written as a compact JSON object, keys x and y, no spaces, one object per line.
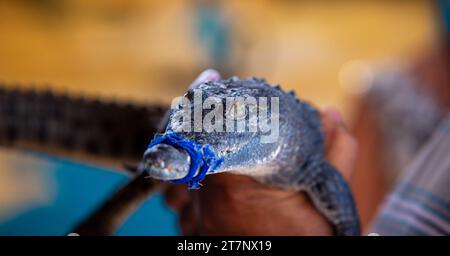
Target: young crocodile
{"x":295,"y":160}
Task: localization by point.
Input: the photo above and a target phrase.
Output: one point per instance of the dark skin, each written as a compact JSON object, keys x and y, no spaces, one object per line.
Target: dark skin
{"x":236,"y":205}
{"x":231,"y":204}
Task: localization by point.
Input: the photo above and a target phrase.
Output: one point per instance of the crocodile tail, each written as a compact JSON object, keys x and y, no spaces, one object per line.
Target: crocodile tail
{"x":332,"y":196}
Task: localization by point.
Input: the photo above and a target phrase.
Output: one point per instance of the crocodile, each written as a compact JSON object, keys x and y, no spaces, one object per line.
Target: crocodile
{"x":294,"y":161}
{"x":98,"y":127}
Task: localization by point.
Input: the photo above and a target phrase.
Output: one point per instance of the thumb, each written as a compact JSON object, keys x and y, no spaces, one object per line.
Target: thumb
{"x":340,"y":146}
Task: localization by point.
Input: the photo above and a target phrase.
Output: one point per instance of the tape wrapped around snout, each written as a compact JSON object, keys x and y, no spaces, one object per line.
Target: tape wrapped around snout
{"x":201,"y":156}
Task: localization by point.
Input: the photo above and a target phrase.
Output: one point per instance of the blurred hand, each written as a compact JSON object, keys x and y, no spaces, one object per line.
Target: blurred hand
{"x":231,"y":204}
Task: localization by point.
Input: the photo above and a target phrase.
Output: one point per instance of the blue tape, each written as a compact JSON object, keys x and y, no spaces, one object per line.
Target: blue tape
{"x":201,"y":156}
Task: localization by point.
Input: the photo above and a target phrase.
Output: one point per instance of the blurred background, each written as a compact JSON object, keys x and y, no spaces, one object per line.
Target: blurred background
{"x":146,"y":52}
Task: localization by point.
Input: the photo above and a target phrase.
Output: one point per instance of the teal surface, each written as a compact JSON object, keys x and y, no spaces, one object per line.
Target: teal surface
{"x":80,"y":188}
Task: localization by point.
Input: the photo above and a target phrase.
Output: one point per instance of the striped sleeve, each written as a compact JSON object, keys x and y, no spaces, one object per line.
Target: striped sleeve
{"x":420,"y":203}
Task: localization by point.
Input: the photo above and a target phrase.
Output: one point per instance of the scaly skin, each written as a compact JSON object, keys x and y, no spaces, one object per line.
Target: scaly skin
{"x":294,"y":161}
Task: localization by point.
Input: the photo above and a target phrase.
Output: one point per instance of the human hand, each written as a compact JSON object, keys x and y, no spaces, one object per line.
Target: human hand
{"x":230,"y":204}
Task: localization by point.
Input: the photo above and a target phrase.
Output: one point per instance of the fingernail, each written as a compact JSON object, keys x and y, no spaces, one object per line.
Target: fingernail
{"x":210,"y":75}
{"x":207,"y":75}
{"x":335,"y":115}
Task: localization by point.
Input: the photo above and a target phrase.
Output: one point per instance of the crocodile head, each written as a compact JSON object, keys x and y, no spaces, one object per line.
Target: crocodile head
{"x":240,"y":121}
{"x":204,"y":136}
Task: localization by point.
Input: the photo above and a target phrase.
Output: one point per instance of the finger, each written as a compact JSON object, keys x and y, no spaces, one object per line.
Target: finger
{"x":188,"y":222}
{"x":343,"y":152}
{"x":331,"y":120}
{"x":177,"y":197}
{"x":207,"y":75}
{"x":341,"y":147}
{"x":328,"y":127}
